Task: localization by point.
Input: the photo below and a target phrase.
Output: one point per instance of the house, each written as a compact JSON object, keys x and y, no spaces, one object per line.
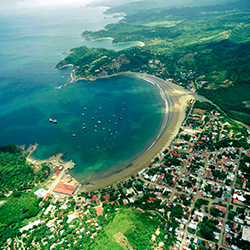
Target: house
{"x":65,"y":188}
{"x":99,"y":211}
{"x":246,"y":233}
{"x":94,"y":198}
{"x":106,"y":197}
{"x":222,"y":209}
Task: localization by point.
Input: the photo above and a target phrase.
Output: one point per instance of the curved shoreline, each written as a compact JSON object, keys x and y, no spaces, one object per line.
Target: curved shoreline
{"x":175,"y":98}
{"x":140,"y":43}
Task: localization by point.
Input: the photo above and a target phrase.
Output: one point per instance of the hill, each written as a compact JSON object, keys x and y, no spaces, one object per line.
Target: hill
{"x":205,"y":48}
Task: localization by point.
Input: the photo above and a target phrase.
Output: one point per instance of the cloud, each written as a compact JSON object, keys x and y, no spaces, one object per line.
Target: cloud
{"x":9,"y":4}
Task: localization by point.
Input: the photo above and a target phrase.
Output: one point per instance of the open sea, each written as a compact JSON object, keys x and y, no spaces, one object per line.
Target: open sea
{"x":121,"y":114}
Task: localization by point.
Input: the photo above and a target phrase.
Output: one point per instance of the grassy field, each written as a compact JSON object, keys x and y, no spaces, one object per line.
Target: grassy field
{"x":130,"y":229}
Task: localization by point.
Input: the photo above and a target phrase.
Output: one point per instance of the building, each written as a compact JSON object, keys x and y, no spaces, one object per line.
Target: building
{"x":65,"y":188}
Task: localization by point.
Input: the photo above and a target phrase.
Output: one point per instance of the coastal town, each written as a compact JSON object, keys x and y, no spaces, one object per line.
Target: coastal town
{"x":150,"y":100}
{"x":194,"y":195}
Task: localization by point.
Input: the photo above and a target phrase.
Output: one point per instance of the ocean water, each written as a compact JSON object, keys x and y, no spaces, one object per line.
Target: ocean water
{"x":121,"y":114}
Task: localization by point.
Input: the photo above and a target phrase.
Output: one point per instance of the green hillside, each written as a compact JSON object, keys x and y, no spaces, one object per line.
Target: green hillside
{"x":16,"y":174}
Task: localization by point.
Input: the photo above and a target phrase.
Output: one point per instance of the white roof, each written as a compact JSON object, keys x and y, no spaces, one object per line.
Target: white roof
{"x":199,"y":214}
{"x":41,"y":192}
{"x":246,"y":233}
{"x":30,"y":225}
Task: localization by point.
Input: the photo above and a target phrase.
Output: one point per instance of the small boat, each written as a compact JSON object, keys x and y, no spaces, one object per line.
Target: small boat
{"x":120,"y":118}
{"x":74,"y":135}
{"x":99,"y":122}
{"x":95,"y":112}
{"x":82,"y":114}
{"x":53,"y":120}
{"x":93,"y":118}
{"x":115,"y":123}
{"x":83,"y":127}
{"x":100,"y":107}
{"x":85,"y":108}
{"x":68,"y":101}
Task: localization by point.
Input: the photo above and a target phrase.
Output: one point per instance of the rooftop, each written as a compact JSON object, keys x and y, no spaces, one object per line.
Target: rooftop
{"x":65,"y":188}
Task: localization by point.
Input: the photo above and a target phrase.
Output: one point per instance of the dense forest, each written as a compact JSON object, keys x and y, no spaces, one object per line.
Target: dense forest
{"x":16,"y":174}
{"x":17,"y":177}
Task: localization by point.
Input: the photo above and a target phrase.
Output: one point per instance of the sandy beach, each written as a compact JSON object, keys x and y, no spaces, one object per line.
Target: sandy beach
{"x":176,"y":99}
{"x":141,"y":44}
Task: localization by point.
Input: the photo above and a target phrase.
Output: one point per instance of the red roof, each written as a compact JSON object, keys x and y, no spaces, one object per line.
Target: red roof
{"x":99,"y":211}
{"x":46,"y":196}
{"x":236,"y":201}
{"x":151,"y":200}
{"x":162,"y":176}
{"x":57,"y":171}
{"x":223,"y":209}
{"x":94,"y":198}
{"x":65,"y":188}
{"x":106,"y":198}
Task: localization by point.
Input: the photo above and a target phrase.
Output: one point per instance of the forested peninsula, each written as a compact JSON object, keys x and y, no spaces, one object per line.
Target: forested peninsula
{"x":205,"y":49}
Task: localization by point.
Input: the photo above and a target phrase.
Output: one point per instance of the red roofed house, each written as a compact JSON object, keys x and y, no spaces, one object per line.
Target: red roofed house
{"x":162,"y":176}
{"x":65,"y":188}
{"x":106,"y":197}
{"x":94,"y":198}
{"x":99,"y":211}
{"x":222,"y":209}
{"x":236,"y":201}
{"x":47,"y":196}
{"x":150,"y":200}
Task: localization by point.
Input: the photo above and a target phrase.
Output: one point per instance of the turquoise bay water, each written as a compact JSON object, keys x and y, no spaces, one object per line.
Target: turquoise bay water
{"x":121,"y":114}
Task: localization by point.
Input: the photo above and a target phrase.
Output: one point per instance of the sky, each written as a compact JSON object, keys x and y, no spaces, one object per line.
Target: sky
{"x":11,"y":4}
